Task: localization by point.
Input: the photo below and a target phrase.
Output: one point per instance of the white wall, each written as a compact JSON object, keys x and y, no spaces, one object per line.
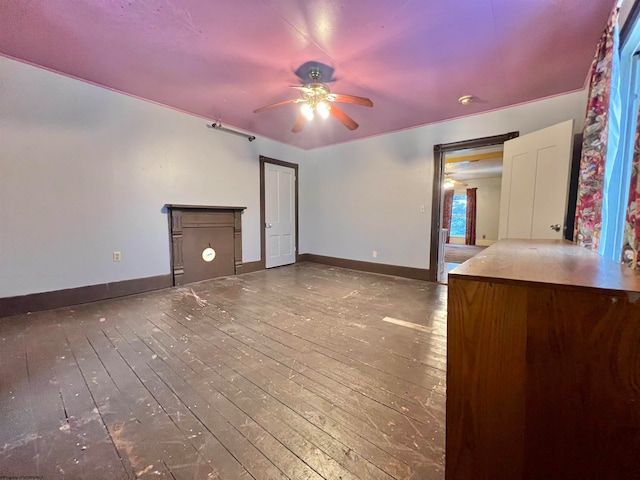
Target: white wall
{"x":85,"y":171}
{"x":366,"y":195}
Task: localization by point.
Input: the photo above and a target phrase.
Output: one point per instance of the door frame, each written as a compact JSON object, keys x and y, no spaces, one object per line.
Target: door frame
{"x":439,"y":151}
{"x":263,"y":235}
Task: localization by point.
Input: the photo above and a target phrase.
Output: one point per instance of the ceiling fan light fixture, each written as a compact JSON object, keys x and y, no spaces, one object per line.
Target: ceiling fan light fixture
{"x":448,"y":183}
{"x":307,"y":111}
{"x":316,"y":98}
{"x":323,"y":109}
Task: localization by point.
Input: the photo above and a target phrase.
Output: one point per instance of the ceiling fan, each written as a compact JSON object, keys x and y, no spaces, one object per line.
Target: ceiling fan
{"x":316,"y":98}
{"x":452,"y":183}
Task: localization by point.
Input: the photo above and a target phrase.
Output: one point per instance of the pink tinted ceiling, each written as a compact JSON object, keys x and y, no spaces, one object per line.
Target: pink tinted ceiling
{"x":222,"y":59}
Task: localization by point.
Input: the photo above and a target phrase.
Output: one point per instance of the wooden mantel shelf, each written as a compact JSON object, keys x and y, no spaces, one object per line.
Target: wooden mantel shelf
{"x":174,"y":206}
{"x":543,"y":369}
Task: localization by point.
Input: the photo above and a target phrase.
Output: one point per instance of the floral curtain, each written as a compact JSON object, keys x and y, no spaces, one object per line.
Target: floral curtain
{"x":470,"y":234}
{"x":446,"y":211}
{"x":588,"y":222}
{"x":632,"y":223}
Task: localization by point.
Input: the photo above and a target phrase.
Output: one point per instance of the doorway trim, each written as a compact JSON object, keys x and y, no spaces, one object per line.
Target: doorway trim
{"x":439,"y":151}
{"x":263,"y":246}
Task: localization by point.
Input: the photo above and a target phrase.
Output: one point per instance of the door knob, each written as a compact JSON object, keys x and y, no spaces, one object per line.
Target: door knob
{"x":268,"y":225}
{"x":555,"y":227}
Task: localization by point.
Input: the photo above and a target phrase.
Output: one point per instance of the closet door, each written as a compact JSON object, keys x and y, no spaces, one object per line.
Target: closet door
{"x":535,"y":183}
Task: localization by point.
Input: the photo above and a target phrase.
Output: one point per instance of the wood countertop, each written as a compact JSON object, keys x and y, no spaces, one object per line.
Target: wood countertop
{"x":556,"y":262}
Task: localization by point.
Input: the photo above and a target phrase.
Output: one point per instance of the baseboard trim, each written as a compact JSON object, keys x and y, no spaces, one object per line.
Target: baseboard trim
{"x":396,"y":270}
{"x":250,"y":267}
{"x":259,"y":265}
{"x":37,"y":302}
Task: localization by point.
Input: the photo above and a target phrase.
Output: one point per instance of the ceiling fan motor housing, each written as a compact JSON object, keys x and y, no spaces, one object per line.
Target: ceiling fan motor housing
{"x":314,"y":93}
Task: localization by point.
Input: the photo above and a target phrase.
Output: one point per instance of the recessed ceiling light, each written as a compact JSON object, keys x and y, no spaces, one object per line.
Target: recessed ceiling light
{"x":466,"y":100}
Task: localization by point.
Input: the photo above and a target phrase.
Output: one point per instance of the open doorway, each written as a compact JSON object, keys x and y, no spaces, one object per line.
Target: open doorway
{"x":471,"y":202}
{"x":472,"y":170}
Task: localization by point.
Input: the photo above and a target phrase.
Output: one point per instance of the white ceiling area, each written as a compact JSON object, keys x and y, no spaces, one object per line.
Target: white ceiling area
{"x":475,"y":163}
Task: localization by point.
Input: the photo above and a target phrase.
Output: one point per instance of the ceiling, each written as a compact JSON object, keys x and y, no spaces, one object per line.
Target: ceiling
{"x":474,"y":163}
{"x":222,"y":59}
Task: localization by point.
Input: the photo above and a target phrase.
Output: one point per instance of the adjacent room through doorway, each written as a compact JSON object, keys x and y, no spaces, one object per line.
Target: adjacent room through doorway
{"x":467,"y":189}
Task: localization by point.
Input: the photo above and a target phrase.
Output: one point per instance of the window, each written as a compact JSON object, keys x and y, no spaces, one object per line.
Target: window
{"x":623,"y":124}
{"x":459,"y":215}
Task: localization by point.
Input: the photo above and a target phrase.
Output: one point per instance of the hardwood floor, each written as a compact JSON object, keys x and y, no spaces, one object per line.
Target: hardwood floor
{"x":455,"y":253}
{"x":288,"y":373}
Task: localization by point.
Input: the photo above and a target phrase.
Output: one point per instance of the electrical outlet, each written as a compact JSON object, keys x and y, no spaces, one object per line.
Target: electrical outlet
{"x":117,"y":256}
{"x":374,"y":254}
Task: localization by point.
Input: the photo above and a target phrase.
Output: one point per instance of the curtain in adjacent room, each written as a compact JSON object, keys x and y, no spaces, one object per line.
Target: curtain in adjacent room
{"x":470,"y":235}
{"x":632,"y":224}
{"x":588,"y":222}
{"x":446,"y":211}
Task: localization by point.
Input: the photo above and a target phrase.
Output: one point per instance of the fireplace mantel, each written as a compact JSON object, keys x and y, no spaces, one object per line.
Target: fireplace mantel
{"x":193,"y":227}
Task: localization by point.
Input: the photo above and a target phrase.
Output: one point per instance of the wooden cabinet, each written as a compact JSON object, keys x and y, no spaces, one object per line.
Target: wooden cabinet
{"x":543,"y":365}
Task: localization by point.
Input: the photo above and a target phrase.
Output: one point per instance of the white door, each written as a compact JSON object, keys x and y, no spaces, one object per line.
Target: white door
{"x":535,"y":183}
{"x":280,"y":215}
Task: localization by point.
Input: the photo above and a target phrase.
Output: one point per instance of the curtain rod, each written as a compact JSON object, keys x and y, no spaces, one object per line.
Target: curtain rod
{"x":218,"y":126}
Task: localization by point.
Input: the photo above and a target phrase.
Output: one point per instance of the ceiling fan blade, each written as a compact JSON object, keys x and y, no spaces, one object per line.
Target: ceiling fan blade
{"x":300,"y":121}
{"x":343,"y":118}
{"x":284,"y":102}
{"x":365,"y":102}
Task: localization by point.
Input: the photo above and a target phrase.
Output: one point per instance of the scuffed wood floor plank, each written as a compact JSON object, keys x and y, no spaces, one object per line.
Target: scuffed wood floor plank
{"x":288,"y":373}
